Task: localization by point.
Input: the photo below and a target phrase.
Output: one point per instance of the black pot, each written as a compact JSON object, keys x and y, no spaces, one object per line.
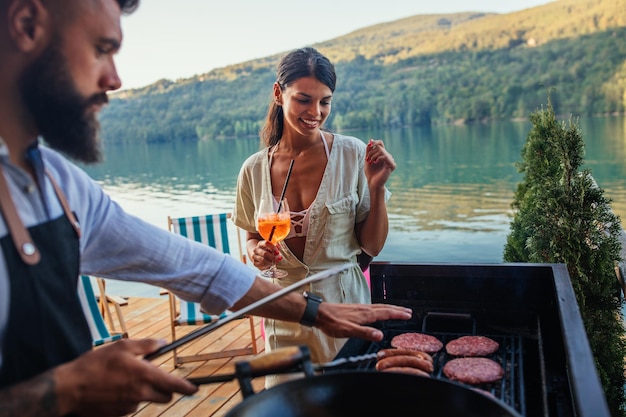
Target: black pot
{"x":370,"y":393}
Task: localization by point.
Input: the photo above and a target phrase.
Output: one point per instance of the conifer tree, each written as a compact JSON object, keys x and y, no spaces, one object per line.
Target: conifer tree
{"x":562,"y":216}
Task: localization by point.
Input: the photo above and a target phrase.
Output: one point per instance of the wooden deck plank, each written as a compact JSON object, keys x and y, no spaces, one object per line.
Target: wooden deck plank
{"x":150,"y":318}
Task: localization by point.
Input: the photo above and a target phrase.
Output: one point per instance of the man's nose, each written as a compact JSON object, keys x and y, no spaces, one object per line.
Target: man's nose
{"x":110,"y":80}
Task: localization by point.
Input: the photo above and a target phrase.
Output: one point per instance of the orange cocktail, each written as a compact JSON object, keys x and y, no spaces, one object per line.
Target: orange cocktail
{"x":273,"y":223}
{"x":279,"y":222}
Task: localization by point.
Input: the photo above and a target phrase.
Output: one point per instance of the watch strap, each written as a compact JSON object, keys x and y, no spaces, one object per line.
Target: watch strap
{"x":313,"y":302}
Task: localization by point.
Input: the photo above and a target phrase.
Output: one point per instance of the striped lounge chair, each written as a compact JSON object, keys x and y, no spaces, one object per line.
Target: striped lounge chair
{"x":211,"y":230}
{"x":100,"y":333}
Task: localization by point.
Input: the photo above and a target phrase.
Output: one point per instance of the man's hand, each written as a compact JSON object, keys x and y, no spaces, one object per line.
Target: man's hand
{"x":336,"y":320}
{"x":113,"y":380}
{"x":348,"y":320}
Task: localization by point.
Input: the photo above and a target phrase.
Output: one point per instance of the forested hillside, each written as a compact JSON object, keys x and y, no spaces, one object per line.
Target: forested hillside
{"x":422,"y":70}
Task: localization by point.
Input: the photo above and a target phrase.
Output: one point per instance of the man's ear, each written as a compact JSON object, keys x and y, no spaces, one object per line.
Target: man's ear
{"x":28,"y":21}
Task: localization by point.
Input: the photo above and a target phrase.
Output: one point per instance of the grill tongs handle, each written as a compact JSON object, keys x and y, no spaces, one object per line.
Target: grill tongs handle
{"x":281,"y":361}
{"x":284,"y":360}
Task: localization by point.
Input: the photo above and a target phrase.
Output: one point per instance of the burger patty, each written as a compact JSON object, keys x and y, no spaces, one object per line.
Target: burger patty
{"x":472,"y":346}
{"x":417,"y":341}
{"x":473,"y":371}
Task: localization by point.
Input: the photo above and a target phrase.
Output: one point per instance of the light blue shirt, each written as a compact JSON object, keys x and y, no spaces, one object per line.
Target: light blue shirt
{"x":117,"y":245}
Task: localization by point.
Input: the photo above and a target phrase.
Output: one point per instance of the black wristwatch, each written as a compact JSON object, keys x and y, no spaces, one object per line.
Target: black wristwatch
{"x":313,"y":302}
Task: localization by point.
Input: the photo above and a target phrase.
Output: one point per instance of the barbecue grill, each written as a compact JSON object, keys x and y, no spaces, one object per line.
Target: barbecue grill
{"x":529,"y":309}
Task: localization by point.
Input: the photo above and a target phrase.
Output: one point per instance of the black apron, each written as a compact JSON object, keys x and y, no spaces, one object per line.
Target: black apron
{"x":46,"y":324}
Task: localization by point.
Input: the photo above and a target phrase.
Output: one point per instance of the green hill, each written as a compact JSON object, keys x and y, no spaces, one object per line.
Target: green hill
{"x":421,"y":70}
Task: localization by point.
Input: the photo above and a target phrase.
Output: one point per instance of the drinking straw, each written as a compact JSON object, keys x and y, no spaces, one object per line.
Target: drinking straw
{"x":282,"y":196}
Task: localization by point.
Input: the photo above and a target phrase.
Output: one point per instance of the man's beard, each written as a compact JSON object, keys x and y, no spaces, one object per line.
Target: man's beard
{"x":60,"y":112}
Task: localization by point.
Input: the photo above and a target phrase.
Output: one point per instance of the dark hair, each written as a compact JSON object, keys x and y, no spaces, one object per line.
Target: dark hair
{"x":128,"y":6}
{"x":304,"y":62}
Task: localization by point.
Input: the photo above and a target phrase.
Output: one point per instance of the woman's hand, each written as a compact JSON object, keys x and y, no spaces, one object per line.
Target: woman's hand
{"x":379,"y":164}
{"x":264,"y":254}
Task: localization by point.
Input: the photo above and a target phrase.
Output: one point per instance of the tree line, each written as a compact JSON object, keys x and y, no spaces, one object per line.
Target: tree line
{"x":461,"y":85}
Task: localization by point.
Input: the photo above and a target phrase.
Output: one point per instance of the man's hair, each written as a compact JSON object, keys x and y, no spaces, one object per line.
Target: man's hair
{"x":128,"y":6}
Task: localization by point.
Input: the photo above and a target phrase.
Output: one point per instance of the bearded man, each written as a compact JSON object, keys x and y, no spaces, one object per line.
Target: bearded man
{"x":56,"y":223}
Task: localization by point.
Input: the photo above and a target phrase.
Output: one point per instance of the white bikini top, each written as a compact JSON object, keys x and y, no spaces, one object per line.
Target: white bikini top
{"x":300,"y":219}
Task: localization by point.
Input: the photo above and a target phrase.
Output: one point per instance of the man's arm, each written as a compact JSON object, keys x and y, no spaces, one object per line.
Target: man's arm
{"x":114,"y":379}
{"x":337,"y":320}
{"x":36,"y":397}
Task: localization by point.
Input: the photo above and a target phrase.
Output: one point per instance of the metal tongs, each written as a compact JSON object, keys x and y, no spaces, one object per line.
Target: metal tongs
{"x":236,"y":314}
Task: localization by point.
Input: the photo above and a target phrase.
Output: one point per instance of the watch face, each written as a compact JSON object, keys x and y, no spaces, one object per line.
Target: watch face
{"x":312,"y":297}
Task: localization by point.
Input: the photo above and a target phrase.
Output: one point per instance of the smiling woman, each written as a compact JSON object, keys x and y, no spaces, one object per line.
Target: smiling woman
{"x":336,"y":195}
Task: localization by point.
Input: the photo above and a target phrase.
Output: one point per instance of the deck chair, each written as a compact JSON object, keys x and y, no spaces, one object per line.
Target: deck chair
{"x":100,"y":333}
{"x":105,"y":301}
{"x":211,"y":230}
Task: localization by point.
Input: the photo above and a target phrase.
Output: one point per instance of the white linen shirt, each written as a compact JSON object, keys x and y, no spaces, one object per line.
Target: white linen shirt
{"x":342,"y":200}
{"x":117,"y":245}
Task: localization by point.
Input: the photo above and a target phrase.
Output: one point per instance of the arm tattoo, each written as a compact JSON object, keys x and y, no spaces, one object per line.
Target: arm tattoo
{"x":35,"y":397}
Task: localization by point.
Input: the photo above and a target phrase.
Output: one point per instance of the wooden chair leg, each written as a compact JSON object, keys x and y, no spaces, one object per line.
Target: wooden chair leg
{"x":253,"y":334}
{"x":105,"y":308}
{"x":173,"y":314}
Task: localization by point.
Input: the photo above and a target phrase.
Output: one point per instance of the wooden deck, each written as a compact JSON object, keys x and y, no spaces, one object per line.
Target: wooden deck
{"x":149,"y":318}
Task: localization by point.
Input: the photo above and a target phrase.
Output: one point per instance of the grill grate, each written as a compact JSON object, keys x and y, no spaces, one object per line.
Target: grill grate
{"x":533,"y":302}
{"x":510,"y":389}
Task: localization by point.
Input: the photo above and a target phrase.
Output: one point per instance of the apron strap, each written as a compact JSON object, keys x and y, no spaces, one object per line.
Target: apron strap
{"x":20,"y":236}
{"x":66,"y":207}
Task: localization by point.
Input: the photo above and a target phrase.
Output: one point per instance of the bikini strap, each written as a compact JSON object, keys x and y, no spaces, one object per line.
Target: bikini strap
{"x":271,"y":154}
{"x":325,"y":145}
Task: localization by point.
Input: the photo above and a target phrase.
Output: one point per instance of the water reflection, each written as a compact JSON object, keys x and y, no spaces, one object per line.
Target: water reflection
{"x":452,"y":189}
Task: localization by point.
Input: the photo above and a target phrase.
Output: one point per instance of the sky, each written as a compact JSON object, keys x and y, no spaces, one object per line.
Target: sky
{"x":179,"y":39}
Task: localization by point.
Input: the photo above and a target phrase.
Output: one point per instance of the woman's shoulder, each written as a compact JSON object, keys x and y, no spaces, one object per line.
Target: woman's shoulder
{"x":348,"y":143}
{"x":348,"y":140}
{"x":255,"y":160}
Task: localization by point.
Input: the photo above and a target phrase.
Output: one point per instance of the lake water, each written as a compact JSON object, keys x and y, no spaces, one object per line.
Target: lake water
{"x":451,"y":192}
